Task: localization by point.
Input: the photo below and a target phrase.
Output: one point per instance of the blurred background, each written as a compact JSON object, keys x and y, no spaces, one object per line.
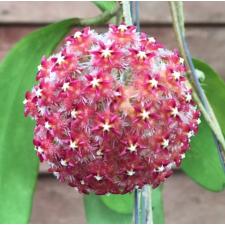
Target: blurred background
{"x":185,"y":201}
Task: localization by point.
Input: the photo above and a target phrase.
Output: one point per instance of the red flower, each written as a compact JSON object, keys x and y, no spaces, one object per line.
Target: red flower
{"x":107,"y":56}
{"x":113,"y":111}
{"x":123,"y":34}
{"x":99,"y":86}
{"x":140,"y":59}
{"x":80,"y":42}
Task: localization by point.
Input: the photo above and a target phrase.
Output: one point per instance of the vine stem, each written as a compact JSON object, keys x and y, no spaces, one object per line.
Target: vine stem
{"x":199,"y":94}
{"x":147,"y":214}
{"x":136,"y":206}
{"x":149,"y":206}
{"x":142,"y":198}
{"x":128,"y":20}
{"x":127,"y":13}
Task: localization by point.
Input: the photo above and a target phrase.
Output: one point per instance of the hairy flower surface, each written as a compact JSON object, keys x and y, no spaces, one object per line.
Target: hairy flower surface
{"x":113,"y":111}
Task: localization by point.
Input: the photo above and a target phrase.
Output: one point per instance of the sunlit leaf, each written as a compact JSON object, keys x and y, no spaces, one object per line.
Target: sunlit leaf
{"x":119,"y":203}
{"x":157,"y":205}
{"x":214,"y":88}
{"x":99,"y":213}
{"x":203,"y":163}
{"x":18,"y":162}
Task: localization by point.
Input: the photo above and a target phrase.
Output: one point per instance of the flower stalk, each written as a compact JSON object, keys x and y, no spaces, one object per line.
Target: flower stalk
{"x":142,"y":198}
{"x":137,"y":195}
{"x":127,"y":12}
{"x":136,"y":206}
{"x":199,"y":95}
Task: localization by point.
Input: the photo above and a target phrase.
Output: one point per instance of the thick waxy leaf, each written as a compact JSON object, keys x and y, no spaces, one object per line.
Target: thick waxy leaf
{"x":119,"y":208}
{"x":99,"y":213}
{"x":119,"y":203}
{"x":157,"y":205}
{"x":203,"y":163}
{"x":214,"y":88}
{"x":105,"y":5}
{"x":18,"y":162}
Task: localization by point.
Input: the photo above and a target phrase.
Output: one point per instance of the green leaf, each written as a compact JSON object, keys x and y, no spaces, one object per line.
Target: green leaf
{"x":105,"y":5}
{"x":119,"y":203}
{"x":214,"y":88}
{"x":98,"y":213}
{"x":18,"y":162}
{"x":119,"y":208}
{"x":202,"y":162}
{"x":157,"y":205}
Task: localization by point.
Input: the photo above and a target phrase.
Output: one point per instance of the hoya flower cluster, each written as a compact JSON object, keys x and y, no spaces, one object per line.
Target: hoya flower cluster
{"x":113,"y":111}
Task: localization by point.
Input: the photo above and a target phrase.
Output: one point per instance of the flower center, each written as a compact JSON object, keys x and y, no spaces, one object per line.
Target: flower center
{"x":151,"y":40}
{"x":38,"y":92}
{"x":153,"y":82}
{"x":122,"y":28}
{"x":165,"y":143}
{"x":98,"y":177}
{"x":106,"y":53}
{"x":66,"y":86}
{"x":73,"y":145}
{"x":130,"y":172}
{"x":174,"y":111}
{"x":95,"y":82}
{"x":74,"y":113}
{"x":176,"y":75}
{"x":47,"y":125}
{"x":77,"y":34}
{"x":106,"y":126}
{"x":188,"y":97}
{"x":141,"y":55}
{"x":144,"y":114}
{"x":132,"y":148}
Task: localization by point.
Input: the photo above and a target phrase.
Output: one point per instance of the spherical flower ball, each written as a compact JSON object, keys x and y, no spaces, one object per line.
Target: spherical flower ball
{"x":113,"y":111}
